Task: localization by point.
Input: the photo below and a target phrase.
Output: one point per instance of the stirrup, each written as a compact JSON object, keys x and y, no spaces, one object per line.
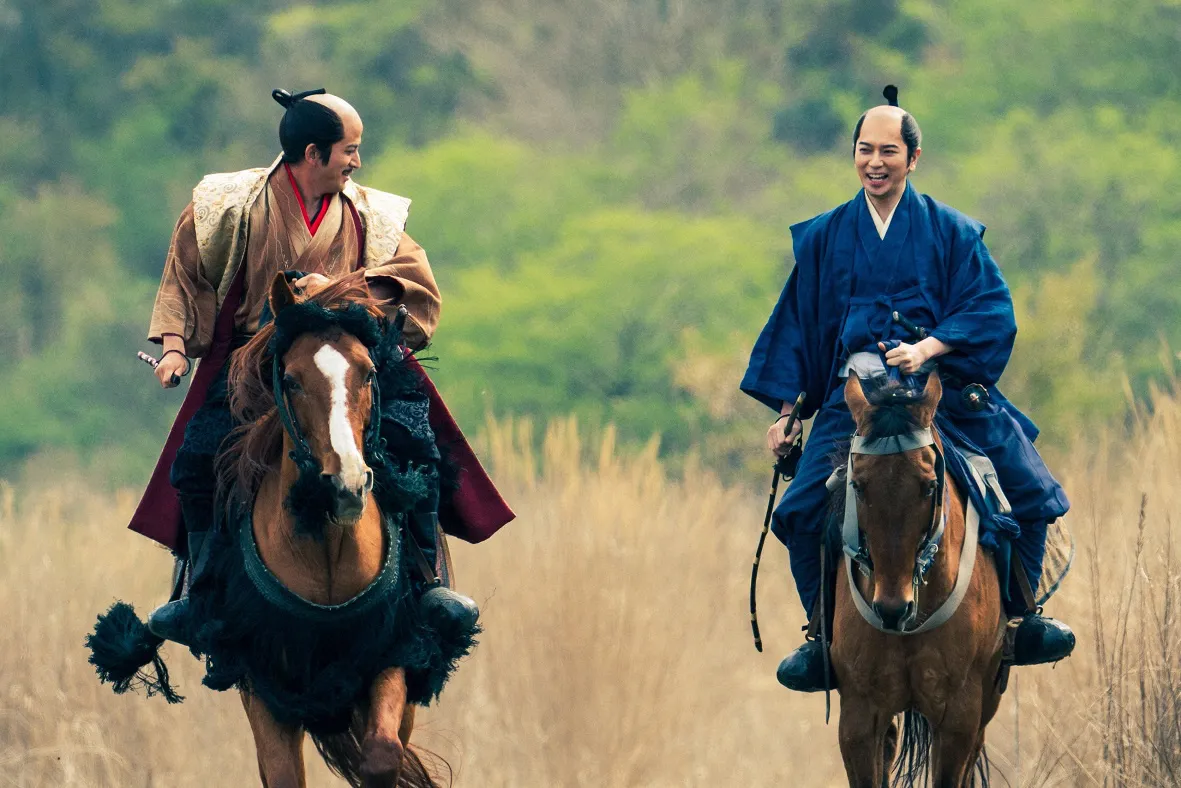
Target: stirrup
{"x":1034,"y":639}
{"x":172,"y":621}
{"x":448,"y":609}
{"x":803,"y":669}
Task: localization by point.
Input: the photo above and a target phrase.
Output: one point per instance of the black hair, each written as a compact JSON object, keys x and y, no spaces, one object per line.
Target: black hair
{"x":307,"y":123}
{"x":912,"y":135}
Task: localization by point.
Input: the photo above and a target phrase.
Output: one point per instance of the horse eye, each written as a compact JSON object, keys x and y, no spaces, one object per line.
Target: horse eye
{"x":371,"y":378}
{"x":291,"y":384}
{"x":932,"y":486}
{"x":858,"y":489}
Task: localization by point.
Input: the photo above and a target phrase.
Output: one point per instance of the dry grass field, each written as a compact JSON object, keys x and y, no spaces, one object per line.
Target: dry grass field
{"x":618,"y":649}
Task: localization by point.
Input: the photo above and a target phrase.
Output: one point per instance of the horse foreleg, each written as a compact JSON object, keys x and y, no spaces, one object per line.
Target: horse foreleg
{"x":279,"y":747}
{"x":387,"y":733}
{"x":863,"y":740}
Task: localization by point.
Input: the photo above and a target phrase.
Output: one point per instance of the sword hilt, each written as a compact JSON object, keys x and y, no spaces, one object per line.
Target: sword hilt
{"x":918,"y":333}
{"x":153,"y":362}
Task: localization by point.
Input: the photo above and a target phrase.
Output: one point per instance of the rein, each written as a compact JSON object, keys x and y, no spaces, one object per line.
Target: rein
{"x":857,"y":553}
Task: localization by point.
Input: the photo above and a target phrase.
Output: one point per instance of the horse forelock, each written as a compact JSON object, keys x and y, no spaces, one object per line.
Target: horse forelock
{"x":893,"y":408}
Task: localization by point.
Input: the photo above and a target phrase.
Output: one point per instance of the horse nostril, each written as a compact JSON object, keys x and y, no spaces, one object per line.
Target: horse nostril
{"x":893,"y":615}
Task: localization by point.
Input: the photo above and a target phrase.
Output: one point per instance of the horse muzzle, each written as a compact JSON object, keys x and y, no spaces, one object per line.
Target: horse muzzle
{"x":897,"y":615}
{"x":348,"y":500}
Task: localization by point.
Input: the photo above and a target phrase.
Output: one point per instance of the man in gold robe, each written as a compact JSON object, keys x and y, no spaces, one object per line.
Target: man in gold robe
{"x":302,"y":214}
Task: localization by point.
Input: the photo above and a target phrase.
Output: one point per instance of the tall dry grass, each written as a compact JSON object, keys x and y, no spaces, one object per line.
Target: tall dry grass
{"x":617,"y":649}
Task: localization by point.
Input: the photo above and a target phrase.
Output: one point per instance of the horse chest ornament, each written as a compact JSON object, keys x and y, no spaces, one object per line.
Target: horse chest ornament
{"x":853,"y":543}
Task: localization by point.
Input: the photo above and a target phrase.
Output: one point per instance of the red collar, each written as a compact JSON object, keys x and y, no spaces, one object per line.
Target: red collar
{"x":313,"y":225}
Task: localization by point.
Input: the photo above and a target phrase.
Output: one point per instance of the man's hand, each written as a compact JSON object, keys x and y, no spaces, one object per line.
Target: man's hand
{"x":777,"y":442}
{"x":311,"y":282}
{"x":911,"y":357}
{"x":172,"y":364}
{"x":908,"y":357}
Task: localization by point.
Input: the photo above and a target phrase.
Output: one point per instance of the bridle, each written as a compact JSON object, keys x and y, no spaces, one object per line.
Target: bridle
{"x":857,"y":553}
{"x":301,"y":452}
{"x":293,"y":322}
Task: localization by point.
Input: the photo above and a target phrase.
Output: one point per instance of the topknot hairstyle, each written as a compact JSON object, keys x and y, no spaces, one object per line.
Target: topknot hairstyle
{"x":912,"y":135}
{"x":306,"y":123}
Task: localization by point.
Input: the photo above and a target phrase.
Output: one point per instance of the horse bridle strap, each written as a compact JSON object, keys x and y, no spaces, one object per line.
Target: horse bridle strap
{"x":301,"y":454}
{"x":893,"y":444}
{"x":856,"y":552}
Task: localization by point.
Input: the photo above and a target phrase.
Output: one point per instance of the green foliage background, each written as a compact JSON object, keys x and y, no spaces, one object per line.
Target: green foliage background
{"x":604,"y":188}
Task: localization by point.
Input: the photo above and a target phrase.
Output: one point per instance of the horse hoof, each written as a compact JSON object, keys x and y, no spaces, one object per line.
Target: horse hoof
{"x":381,"y":756}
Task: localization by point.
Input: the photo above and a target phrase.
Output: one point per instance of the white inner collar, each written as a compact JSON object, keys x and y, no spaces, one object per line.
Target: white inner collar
{"x":877,"y":220}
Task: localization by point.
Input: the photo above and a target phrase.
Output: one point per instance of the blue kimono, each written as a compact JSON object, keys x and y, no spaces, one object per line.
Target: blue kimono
{"x":933,"y":268}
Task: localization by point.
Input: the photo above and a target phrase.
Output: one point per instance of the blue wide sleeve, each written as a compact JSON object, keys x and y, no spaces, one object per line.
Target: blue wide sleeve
{"x":782,"y":363}
{"x":978,"y":318}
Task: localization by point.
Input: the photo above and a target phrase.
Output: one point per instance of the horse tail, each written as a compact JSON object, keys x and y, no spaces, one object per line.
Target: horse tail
{"x":121,"y":646}
{"x":342,"y":753}
{"x":982,"y":773}
{"x":414,"y":772}
{"x":911,"y":767}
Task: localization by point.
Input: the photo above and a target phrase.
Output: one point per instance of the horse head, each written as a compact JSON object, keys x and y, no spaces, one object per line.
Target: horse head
{"x":305,"y":390}
{"x":898,"y":483}
{"x":324,"y":385}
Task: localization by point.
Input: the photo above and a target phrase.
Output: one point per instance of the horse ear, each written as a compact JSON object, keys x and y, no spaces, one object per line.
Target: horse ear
{"x":932,"y":393}
{"x":855,"y":398}
{"x":282,"y":295}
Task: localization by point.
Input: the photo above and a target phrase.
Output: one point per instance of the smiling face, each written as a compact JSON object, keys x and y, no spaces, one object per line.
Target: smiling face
{"x":343,"y":161}
{"x":880,"y":156}
{"x":345,"y":158}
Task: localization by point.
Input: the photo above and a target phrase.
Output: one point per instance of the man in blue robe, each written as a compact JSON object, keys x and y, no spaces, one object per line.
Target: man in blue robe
{"x":891,"y":249}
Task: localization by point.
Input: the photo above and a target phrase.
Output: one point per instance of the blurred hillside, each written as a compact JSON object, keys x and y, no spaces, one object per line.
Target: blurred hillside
{"x":604,"y":187}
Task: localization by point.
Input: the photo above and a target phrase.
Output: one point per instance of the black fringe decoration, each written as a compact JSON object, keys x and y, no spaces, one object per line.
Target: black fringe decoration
{"x":121,"y":646}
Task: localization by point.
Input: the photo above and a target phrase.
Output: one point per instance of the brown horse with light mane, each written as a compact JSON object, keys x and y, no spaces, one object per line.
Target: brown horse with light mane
{"x":948,"y":674}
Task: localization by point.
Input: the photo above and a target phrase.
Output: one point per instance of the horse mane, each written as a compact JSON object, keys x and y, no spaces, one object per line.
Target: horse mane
{"x":255,"y":447}
{"x":891,"y":407}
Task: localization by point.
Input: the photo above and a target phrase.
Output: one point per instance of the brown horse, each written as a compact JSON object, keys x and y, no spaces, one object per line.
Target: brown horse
{"x":945,"y":677}
{"x":328,"y":379}
{"x":309,"y":610}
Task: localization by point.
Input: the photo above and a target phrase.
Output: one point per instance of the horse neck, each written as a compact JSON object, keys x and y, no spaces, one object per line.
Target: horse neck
{"x":328,"y":570}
